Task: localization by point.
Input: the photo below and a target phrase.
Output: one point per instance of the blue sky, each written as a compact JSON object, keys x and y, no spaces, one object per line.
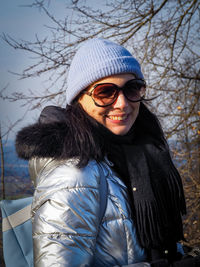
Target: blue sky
{"x":20,"y":23}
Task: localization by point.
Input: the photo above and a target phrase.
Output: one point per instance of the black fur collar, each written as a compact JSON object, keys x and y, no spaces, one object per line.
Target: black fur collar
{"x":42,"y":140}
{"x":62,"y":134}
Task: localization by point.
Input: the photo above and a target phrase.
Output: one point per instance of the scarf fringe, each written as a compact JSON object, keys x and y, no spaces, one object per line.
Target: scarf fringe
{"x":160,"y":220}
{"x":148,"y":224}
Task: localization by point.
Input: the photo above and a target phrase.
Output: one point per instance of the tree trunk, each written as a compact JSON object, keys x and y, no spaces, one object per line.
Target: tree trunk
{"x":2,"y":167}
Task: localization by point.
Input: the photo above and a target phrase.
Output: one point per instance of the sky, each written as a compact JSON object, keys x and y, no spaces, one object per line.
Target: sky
{"x":21,"y":23}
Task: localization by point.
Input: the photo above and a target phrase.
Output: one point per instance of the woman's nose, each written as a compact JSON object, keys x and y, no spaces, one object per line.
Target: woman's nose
{"x":121,"y":101}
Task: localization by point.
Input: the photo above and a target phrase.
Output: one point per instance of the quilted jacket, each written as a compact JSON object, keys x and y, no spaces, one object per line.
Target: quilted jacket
{"x":67,"y":230}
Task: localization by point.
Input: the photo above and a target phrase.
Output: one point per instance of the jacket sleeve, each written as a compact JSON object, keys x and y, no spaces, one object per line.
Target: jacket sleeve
{"x":65,"y":216}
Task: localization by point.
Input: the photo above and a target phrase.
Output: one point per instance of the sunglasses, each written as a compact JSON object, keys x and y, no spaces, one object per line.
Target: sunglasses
{"x":105,"y":94}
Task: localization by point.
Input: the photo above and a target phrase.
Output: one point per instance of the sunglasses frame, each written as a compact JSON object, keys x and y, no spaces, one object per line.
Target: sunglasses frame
{"x":118,"y":90}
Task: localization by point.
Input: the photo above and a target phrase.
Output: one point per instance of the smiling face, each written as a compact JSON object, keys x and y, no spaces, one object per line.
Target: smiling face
{"x":118,"y":117}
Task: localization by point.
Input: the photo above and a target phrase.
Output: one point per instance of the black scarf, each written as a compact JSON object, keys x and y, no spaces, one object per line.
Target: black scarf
{"x":142,"y":160}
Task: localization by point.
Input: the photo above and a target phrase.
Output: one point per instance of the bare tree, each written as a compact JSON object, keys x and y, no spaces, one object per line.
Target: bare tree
{"x":2,"y":167}
{"x":164,"y":36}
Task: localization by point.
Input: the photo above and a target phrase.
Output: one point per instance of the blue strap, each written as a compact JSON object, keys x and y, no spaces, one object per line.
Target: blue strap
{"x":103,"y":192}
{"x":17,"y":241}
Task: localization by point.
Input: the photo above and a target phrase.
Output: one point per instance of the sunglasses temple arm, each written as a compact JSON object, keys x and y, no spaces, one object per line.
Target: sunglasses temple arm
{"x":149,"y":99}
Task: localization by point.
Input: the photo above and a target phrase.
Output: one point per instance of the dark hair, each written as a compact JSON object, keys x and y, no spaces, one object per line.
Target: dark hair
{"x":83,"y":139}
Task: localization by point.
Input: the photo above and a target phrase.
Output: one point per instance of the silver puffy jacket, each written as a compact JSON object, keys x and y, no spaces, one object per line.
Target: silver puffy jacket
{"x":67,"y":230}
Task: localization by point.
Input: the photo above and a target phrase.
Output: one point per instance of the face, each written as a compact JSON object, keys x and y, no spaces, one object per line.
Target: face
{"x":118,"y":117}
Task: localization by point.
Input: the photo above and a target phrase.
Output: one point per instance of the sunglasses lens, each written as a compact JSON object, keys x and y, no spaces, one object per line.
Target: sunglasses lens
{"x":132,"y":89}
{"x":104,"y":94}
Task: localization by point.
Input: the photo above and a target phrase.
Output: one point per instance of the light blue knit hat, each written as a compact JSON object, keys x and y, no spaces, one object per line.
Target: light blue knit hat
{"x":97,"y":59}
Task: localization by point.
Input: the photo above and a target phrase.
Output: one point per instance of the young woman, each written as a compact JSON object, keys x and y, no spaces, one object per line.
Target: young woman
{"x":106,"y":131}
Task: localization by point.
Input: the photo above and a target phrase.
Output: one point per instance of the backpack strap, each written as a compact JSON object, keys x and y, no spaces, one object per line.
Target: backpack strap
{"x":103,"y":192}
{"x":16,"y":218}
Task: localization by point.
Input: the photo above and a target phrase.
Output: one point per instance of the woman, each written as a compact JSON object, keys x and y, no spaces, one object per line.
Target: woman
{"x":105,"y":130}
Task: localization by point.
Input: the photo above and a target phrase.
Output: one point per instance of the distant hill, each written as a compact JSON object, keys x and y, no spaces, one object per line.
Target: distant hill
{"x":14,"y":166}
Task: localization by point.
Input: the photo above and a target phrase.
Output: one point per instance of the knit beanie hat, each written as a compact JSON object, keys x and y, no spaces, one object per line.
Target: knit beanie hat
{"x":97,"y":59}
